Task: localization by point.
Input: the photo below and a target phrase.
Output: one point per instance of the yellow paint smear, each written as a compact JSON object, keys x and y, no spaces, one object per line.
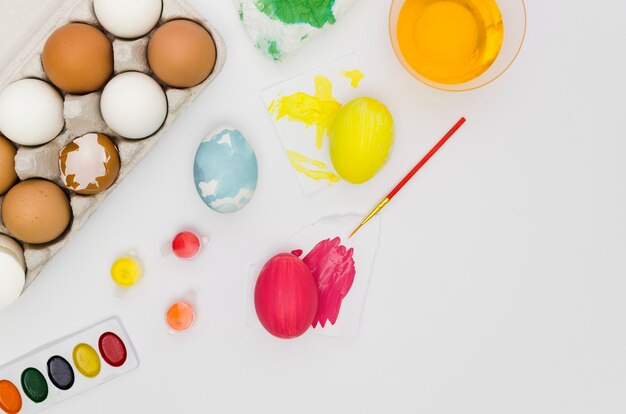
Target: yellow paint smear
{"x":322,"y":172}
{"x":318,"y":110}
{"x":355,"y":76}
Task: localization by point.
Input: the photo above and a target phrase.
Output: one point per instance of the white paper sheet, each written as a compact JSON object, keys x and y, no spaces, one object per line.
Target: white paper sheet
{"x":301,"y":138}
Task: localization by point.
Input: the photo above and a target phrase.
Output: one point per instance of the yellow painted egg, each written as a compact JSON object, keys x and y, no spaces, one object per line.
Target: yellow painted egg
{"x":361,"y":137}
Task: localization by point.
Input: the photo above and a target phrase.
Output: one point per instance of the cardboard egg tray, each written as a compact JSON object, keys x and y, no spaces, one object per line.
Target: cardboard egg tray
{"x":82,"y":113}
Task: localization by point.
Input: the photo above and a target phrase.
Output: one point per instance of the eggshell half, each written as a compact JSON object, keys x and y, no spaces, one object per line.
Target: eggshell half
{"x":90,"y":164}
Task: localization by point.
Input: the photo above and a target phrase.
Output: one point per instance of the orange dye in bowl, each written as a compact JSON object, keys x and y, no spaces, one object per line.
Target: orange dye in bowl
{"x":450,"y":41}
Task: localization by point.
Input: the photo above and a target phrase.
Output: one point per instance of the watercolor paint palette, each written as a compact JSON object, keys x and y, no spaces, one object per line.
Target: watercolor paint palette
{"x":308,"y":240}
{"x":67,"y":367}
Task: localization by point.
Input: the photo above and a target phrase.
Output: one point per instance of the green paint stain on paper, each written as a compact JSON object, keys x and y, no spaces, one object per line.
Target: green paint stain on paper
{"x":316,"y":13}
{"x":273,"y":50}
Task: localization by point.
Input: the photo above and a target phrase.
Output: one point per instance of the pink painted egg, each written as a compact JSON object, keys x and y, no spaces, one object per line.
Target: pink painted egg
{"x":286,"y":296}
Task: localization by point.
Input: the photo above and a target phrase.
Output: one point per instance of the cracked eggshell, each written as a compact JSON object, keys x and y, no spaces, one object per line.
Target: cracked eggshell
{"x":90,"y":164}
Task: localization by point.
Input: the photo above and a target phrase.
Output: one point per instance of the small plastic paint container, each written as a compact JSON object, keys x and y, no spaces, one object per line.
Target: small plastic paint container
{"x":180,"y":316}
{"x":126,"y":272}
{"x":185,"y":245}
{"x":67,"y":367}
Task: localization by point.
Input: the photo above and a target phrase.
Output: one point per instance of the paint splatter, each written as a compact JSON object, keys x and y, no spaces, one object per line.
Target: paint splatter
{"x":355,"y":76}
{"x":333,"y":268}
{"x":316,"y":13}
{"x":271,"y":48}
{"x":319,"y":173}
{"x":318,"y":110}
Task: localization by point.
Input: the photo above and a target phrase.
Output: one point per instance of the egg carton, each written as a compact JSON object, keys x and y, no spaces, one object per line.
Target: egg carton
{"x":82,"y":113}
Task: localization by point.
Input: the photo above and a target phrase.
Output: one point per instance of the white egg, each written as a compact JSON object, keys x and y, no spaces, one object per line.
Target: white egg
{"x":31,"y":112}
{"x":13,"y":247}
{"x":128,"y":19}
{"x":133,"y":105}
{"x":12,"y":271}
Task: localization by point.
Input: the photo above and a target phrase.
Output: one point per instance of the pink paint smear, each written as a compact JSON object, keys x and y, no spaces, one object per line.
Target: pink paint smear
{"x":332,"y":266}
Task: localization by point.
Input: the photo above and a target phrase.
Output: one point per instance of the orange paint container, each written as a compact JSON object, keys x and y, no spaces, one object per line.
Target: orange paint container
{"x":180,"y":317}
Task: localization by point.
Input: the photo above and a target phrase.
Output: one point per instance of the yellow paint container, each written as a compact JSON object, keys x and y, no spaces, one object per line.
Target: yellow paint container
{"x":126,"y":271}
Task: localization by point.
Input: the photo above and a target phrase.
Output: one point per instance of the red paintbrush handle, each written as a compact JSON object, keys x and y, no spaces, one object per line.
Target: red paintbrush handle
{"x":425,"y":159}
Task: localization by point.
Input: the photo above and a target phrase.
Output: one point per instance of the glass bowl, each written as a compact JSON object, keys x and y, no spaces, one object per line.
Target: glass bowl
{"x":514,"y":20}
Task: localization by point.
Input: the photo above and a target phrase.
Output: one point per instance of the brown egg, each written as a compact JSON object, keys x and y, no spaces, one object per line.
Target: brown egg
{"x":8,"y":177}
{"x":36,"y":211}
{"x":78,"y":58}
{"x":89,"y":164}
{"x":181,"y":53}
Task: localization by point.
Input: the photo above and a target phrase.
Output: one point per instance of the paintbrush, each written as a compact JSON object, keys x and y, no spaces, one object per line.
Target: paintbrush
{"x":410,"y":175}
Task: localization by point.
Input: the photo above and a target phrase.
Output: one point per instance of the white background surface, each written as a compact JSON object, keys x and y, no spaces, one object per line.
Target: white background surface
{"x":499,"y":285}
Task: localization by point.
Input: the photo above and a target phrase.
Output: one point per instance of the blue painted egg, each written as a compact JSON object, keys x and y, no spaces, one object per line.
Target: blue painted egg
{"x":225,"y":171}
